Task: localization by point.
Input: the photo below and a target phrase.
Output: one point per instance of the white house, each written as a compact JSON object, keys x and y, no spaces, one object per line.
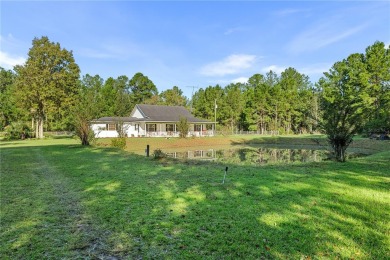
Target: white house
{"x":152,"y":121}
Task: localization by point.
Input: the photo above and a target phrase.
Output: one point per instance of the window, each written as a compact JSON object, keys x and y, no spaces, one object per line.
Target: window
{"x":136,"y":126}
{"x":170,"y":127}
{"x":111,"y":127}
{"x":197,"y":128}
{"x":151,"y":128}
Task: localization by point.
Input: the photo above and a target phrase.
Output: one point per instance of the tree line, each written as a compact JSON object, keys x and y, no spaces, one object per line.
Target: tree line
{"x":352,"y":97}
{"x":284,"y":104}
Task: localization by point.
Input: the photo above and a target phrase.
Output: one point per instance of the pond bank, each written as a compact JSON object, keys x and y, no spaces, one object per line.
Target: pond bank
{"x":309,"y":142}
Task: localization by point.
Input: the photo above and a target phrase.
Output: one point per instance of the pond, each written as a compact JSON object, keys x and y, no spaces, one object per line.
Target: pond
{"x":253,"y":156}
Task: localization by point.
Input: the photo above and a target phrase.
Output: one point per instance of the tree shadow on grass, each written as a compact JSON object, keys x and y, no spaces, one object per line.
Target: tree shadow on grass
{"x":165,"y":209}
{"x":191,"y":214}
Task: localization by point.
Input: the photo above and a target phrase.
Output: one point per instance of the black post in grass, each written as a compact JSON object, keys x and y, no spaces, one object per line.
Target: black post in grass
{"x":223,"y":182}
{"x":147,"y":150}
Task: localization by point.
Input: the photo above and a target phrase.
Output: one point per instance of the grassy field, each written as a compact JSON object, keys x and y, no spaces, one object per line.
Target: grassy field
{"x":61,"y":200}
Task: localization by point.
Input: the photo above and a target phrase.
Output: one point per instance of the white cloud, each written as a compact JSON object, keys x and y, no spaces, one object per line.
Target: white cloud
{"x":90,"y":53}
{"x":10,"y":52}
{"x":286,"y":12}
{"x":234,"y":30}
{"x":315,"y":69}
{"x":8,"y":39}
{"x":232,"y":64}
{"x":225,"y":82}
{"x":240,"y":80}
{"x":322,"y":35}
{"x":8,"y":62}
{"x":112,"y":49}
{"x":275,"y":68}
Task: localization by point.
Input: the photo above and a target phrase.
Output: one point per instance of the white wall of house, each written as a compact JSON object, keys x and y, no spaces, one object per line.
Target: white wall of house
{"x":136,"y":130}
{"x":101,"y":131}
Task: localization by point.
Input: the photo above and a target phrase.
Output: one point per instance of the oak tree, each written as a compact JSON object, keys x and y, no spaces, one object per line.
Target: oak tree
{"x":47,"y":83}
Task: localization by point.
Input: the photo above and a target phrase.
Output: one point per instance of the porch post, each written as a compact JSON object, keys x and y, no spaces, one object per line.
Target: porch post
{"x":201,"y":129}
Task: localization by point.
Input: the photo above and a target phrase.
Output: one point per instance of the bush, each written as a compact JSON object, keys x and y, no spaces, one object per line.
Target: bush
{"x":17,"y":130}
{"x":119,"y":142}
{"x":82,"y":129}
{"x":159,"y":154}
{"x":282,"y":131}
{"x":183,"y":127}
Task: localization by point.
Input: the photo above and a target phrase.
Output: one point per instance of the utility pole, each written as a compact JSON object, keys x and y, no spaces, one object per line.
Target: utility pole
{"x":215,"y":111}
{"x":192,"y":95}
{"x":215,"y":117}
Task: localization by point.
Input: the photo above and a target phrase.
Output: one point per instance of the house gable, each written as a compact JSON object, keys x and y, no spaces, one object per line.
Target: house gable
{"x":137,"y":113}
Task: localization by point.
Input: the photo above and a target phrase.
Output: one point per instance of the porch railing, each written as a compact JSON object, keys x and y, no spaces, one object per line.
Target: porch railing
{"x":176,"y":134}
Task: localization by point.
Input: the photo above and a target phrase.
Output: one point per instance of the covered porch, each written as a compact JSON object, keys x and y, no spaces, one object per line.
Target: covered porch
{"x":169,"y":129}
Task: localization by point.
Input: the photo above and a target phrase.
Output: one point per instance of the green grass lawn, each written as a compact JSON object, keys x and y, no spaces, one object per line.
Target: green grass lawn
{"x":61,"y":200}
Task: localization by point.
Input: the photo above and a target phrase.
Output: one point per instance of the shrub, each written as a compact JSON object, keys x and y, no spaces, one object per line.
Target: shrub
{"x":119,"y":142}
{"x":158,"y":154}
{"x":183,"y":127}
{"x":17,"y":130}
{"x":282,"y":131}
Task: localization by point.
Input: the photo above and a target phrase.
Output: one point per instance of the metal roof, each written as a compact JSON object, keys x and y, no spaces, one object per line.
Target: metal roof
{"x":156,"y":113}
{"x":116,"y":119}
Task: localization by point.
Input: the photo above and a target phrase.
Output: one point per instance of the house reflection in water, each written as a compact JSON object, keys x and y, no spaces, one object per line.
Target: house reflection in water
{"x":197,"y":154}
{"x":253,"y":156}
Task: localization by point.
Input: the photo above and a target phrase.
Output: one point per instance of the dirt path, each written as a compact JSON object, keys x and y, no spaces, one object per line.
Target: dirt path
{"x":87,"y":240}
{"x":42,"y":211}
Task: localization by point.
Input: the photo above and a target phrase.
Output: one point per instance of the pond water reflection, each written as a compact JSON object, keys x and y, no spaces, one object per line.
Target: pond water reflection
{"x":254,"y":156}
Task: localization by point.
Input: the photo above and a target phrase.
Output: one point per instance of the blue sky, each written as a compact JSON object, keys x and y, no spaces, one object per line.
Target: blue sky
{"x":195,"y":43}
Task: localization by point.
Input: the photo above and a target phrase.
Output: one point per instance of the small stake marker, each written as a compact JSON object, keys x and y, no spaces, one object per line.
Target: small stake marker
{"x":225,"y":175}
{"x":147,"y":150}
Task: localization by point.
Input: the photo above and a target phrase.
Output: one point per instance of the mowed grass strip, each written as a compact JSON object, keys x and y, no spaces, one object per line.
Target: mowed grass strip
{"x":138,"y":145}
{"x":65,"y":201}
